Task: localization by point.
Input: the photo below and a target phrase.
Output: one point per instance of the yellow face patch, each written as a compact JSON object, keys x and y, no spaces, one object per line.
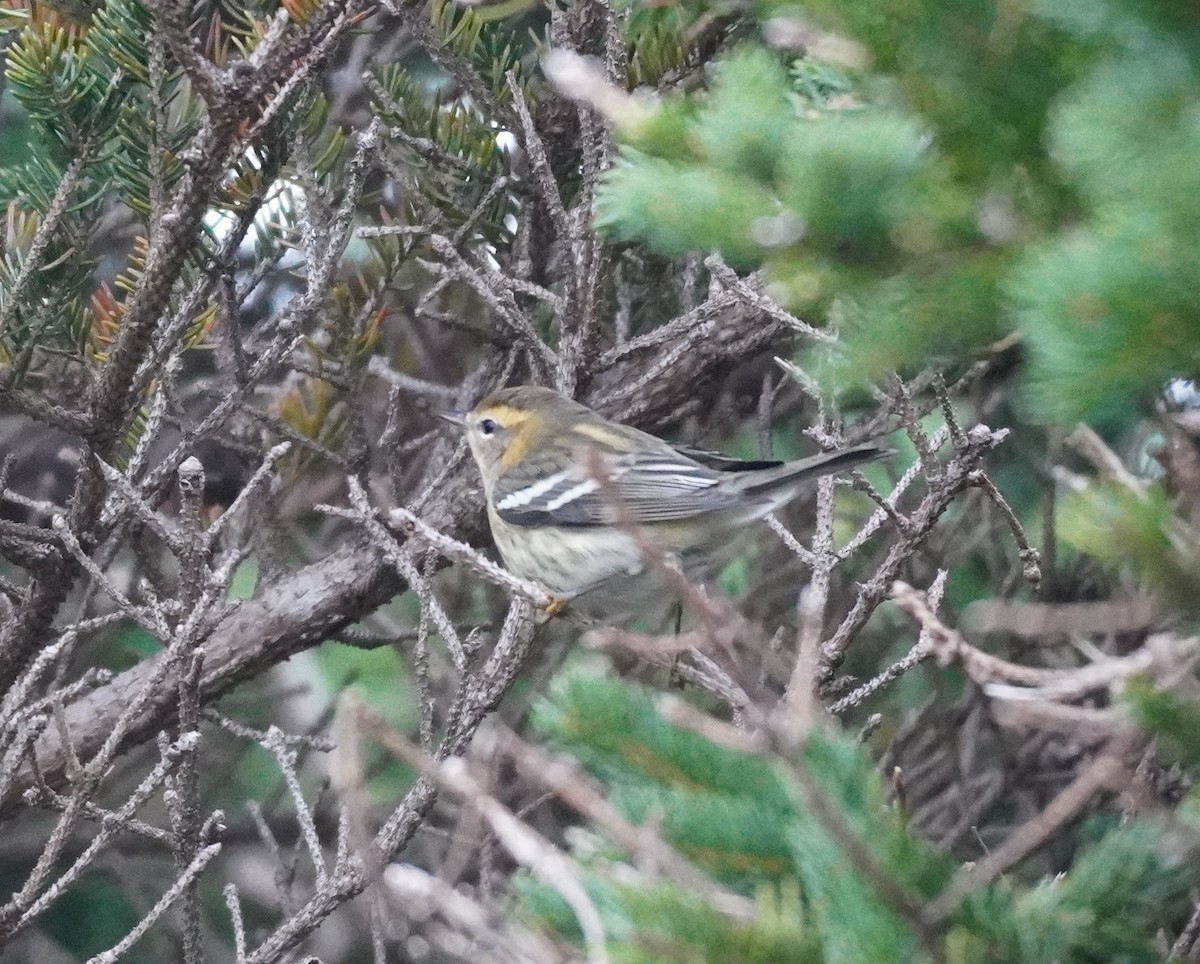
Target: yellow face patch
{"x":517,"y":424}
{"x":517,"y":446}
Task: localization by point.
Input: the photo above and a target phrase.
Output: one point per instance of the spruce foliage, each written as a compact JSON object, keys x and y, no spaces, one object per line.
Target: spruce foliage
{"x":759,"y":825}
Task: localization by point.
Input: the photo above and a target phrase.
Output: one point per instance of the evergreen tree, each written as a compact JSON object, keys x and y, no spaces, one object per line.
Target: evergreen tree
{"x":251,"y":250}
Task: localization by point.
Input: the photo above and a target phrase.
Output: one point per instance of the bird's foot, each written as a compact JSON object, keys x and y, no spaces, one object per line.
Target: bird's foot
{"x":555,"y":606}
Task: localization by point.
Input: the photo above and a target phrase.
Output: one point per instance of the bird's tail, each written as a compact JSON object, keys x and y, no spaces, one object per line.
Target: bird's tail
{"x":780,"y":484}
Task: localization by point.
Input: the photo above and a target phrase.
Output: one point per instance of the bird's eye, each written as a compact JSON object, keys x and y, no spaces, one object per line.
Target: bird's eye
{"x":487,"y":427}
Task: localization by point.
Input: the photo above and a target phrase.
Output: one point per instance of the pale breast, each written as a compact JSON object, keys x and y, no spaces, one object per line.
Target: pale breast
{"x":565,"y":561}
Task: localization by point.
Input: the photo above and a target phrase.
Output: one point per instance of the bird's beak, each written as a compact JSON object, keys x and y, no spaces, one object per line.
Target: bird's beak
{"x":454,"y":416}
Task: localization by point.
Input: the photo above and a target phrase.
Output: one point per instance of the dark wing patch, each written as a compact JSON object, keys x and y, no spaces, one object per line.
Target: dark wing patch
{"x":719,"y":462}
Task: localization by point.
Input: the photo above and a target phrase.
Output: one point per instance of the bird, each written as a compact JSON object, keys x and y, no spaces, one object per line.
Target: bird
{"x":571,"y":496}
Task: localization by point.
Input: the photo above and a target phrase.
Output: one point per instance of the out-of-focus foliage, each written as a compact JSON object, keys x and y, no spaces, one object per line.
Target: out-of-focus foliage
{"x":1138,"y":530}
{"x":753,"y":824}
{"x":993,"y":170}
{"x":1173,"y":720}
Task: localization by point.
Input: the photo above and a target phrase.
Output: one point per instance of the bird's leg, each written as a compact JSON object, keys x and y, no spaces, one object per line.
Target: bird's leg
{"x":558,"y":603}
{"x":676,"y":616}
{"x":555,"y":606}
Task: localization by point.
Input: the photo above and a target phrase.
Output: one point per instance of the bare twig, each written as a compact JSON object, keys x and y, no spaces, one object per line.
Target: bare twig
{"x":202,"y":859}
{"x":920,"y":652}
{"x":1108,"y":772}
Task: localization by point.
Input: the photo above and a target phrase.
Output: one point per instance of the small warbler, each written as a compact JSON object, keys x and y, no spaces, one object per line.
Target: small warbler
{"x":567,"y":491}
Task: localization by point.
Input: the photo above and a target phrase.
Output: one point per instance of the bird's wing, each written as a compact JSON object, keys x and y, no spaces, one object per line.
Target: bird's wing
{"x":644,"y":487}
{"x":721,"y":462}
